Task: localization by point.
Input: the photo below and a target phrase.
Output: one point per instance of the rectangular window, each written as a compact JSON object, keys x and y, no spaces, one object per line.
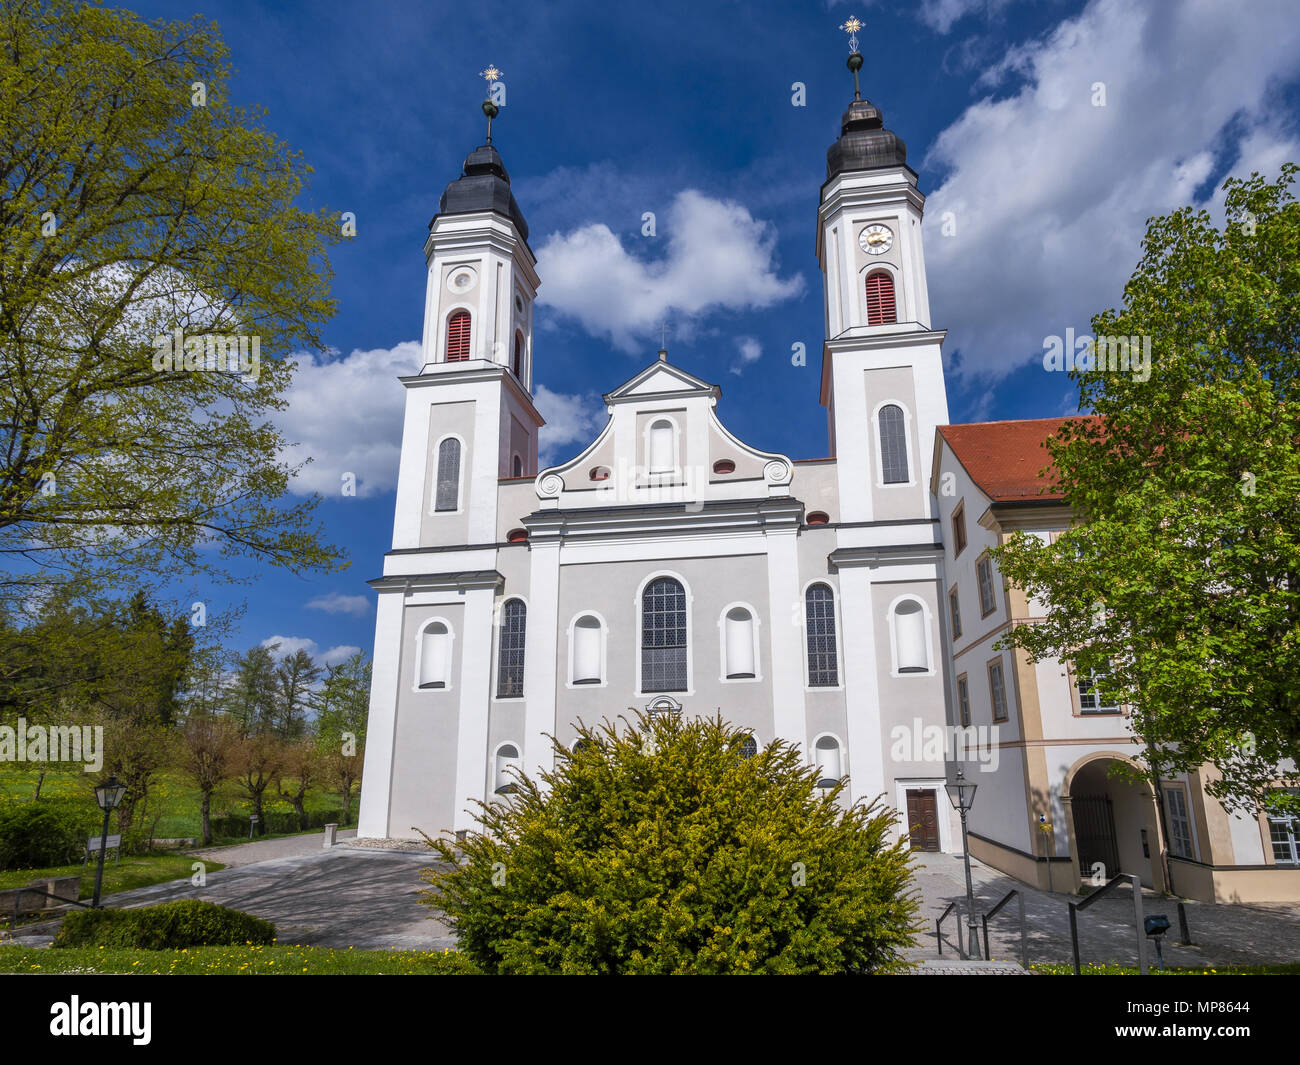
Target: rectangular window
{"x":997,"y":691}
{"x":959,"y":530}
{"x":1284,"y":835}
{"x":1180,"y":823}
{"x":1092,"y":699}
{"x":988,"y":601}
{"x":963,"y":700}
{"x":955,"y":610}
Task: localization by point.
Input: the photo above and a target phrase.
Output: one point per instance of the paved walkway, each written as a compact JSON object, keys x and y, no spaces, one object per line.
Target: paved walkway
{"x":1221,"y":934}
{"x":342,"y":897}
{"x":262,"y":850}
{"x":352,"y":896}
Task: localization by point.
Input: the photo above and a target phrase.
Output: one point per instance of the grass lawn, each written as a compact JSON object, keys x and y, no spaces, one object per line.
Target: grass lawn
{"x":174,"y":799}
{"x":133,"y":871}
{"x":1111,"y":969}
{"x":237,"y":961}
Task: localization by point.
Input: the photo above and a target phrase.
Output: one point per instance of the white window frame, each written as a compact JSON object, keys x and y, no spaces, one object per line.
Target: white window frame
{"x":839,"y":636}
{"x":907,"y":442}
{"x":926,"y":621}
{"x":1178,"y":787}
{"x":604,"y":650}
{"x":690,"y":635}
{"x":1292,"y":821}
{"x":492,"y":766}
{"x":419,"y":655}
{"x":844,"y":752}
{"x":434,"y":512}
{"x":722,"y":645}
{"x":935,"y":784}
{"x":497,"y":627}
{"x":676,"y":471}
{"x":889,"y":268}
{"x":472,"y":311}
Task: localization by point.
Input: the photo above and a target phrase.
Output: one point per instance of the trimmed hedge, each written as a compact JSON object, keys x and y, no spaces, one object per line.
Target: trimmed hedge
{"x":276,"y":822}
{"x":169,"y":925}
{"x":45,"y":832}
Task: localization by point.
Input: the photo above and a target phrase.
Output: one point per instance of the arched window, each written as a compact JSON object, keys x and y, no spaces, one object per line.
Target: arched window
{"x":510,"y":667}
{"x":435,"y":655}
{"x":823,"y":661}
{"x":738,"y":643}
{"x":749,"y":747}
{"x":911,"y":650}
{"x":458,"y":337}
{"x":507,"y":762}
{"x":829,"y":769}
{"x":587,"y":651}
{"x":519,"y":354}
{"x":880,"y":298}
{"x":447,"y":494}
{"x":517,"y":467}
{"x":663,"y":636}
{"x":661,"y":459}
{"x":893,"y":444}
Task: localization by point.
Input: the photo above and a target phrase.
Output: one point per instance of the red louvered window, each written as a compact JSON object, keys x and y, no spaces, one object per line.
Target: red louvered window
{"x":880,"y":299}
{"x":458,"y":337}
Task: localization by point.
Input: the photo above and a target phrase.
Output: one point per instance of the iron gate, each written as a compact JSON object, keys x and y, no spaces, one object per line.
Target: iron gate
{"x":1094,"y":829}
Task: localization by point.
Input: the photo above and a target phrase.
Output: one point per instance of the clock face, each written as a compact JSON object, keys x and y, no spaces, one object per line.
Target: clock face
{"x":876,"y":240}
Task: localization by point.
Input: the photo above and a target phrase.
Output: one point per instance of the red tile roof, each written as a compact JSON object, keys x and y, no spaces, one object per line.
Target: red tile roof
{"x":1004,"y":458}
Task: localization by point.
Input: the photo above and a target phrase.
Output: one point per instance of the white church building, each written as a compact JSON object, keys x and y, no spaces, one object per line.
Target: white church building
{"x":846,"y":604}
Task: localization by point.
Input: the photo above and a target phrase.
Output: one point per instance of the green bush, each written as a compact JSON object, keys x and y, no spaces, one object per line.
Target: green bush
{"x":659,"y":848}
{"x":277,"y":822}
{"x":169,"y":925}
{"x":45,"y":832}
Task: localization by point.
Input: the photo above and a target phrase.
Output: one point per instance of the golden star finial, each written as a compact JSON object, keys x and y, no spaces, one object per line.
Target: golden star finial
{"x":852,"y":25}
{"x":491,"y":74}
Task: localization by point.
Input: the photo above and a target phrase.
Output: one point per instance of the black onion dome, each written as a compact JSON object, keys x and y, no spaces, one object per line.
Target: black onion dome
{"x":864,"y":143}
{"x":484,"y":186}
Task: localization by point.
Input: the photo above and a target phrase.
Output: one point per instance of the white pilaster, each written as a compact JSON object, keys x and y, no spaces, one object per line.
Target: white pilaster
{"x":474,"y":680}
{"x":540,"y":657}
{"x":381,"y":719}
{"x":861,"y":686}
{"x":786,"y":636}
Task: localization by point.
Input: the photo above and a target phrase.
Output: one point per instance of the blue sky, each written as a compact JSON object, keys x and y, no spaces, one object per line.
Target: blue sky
{"x":686,"y":110}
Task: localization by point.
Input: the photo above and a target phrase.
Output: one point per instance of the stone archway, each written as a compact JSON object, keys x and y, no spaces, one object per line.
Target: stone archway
{"x":1112,"y":823}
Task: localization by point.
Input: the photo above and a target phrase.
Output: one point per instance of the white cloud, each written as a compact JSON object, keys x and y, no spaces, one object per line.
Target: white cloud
{"x":572,"y":422}
{"x":346,"y":416}
{"x":717,"y":257}
{"x":290,"y":645}
{"x":1050,"y":195}
{"x":747,"y":350}
{"x":338,"y":603}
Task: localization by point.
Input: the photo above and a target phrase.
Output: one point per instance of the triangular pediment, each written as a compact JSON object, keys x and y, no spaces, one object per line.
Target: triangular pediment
{"x":661,"y":378}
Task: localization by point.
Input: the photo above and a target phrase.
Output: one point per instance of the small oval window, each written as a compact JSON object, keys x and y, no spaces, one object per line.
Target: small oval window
{"x":724,"y":466}
{"x":599,"y":473}
{"x":517,"y":536}
{"x":818,"y":517}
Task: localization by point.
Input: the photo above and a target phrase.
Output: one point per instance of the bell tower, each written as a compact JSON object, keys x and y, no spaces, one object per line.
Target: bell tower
{"x":470,"y":418}
{"x":882,"y":370}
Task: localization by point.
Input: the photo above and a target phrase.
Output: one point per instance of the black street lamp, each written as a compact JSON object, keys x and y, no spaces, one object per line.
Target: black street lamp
{"x":962,"y":796}
{"x":108,"y":795}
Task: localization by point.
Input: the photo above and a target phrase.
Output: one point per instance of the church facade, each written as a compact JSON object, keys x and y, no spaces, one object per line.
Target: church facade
{"x":674,"y":568}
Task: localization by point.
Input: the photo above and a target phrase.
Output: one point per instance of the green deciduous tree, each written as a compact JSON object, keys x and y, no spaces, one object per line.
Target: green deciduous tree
{"x":1179,"y":584}
{"x":136,"y":200}
{"x":341,"y":726}
{"x":658,"y":847}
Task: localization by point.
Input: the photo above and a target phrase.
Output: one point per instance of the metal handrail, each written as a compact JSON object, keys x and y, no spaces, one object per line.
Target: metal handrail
{"x":984,"y":919}
{"x":938,"y":930}
{"x":1084,"y":903}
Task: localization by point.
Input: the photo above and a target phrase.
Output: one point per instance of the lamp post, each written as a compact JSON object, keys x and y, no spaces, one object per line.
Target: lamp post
{"x":962,"y":796}
{"x":108,"y":795}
